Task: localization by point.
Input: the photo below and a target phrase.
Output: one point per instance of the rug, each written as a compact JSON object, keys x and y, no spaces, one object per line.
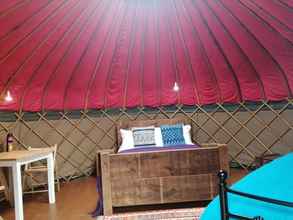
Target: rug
{"x":171,"y":214}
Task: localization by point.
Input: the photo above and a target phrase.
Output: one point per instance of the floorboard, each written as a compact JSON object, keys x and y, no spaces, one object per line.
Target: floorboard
{"x":74,"y":201}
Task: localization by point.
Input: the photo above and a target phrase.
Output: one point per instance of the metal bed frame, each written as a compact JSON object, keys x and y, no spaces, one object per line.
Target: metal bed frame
{"x":224,"y":190}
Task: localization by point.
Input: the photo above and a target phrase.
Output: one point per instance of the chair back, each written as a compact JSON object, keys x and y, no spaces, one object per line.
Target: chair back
{"x":54,"y":147}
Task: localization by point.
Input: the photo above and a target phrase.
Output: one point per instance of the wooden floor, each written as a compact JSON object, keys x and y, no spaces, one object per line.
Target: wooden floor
{"x":74,"y":202}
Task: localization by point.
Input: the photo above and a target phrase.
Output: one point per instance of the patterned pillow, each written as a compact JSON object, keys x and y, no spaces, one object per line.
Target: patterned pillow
{"x":172,"y":134}
{"x":144,"y":136}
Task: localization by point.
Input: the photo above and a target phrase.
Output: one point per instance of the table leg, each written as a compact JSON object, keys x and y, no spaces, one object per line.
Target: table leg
{"x":10,"y":187}
{"x":51,"y":181}
{"x":18,"y":202}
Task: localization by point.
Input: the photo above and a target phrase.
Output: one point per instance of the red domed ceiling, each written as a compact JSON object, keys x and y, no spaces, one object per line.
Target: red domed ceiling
{"x":93,"y":54}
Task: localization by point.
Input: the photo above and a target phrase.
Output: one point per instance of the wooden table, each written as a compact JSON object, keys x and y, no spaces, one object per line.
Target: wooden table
{"x":15,"y":159}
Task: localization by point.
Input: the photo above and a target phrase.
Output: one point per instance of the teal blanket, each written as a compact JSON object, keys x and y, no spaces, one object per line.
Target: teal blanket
{"x":273,"y":180}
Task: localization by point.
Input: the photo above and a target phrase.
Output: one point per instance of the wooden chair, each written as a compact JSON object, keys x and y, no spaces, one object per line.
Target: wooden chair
{"x":6,"y":181}
{"x":31,"y":171}
{"x":3,"y":185}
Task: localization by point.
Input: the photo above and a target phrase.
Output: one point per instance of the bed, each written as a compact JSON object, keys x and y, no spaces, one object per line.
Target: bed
{"x":264,"y":194}
{"x":159,"y":176}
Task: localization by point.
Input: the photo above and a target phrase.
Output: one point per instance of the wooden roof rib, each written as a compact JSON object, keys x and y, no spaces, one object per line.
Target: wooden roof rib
{"x":97,"y":54}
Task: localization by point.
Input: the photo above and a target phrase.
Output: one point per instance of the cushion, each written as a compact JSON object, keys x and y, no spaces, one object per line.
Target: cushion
{"x":143,"y":136}
{"x":187,"y":135}
{"x":172,"y":134}
{"x":158,"y":137}
{"x":127,"y":140}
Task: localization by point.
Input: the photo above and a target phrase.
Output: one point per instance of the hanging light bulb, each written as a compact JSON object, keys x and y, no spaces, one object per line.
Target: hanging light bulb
{"x":8,"y":97}
{"x":176,"y":87}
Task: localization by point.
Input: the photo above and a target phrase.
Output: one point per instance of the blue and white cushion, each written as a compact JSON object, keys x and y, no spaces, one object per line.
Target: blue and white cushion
{"x":172,"y":134}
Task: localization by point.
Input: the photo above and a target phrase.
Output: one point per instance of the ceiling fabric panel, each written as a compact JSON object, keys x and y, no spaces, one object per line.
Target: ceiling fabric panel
{"x":74,"y":54}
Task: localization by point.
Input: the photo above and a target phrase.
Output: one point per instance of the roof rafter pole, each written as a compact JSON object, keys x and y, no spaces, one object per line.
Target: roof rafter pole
{"x":83,"y":53}
{"x":35,"y":49}
{"x":14,"y":7}
{"x":141,"y":66}
{"x":285,"y":3}
{"x":27,"y":19}
{"x":203,"y":52}
{"x":279,"y":67}
{"x":65,"y":56}
{"x":191,"y":71}
{"x":132,"y":43}
{"x":99,"y":59}
{"x":241,"y":51}
{"x":113,"y":56}
{"x":157,"y":57}
{"x":267,"y":14}
{"x":60,"y":41}
{"x":220,"y":49}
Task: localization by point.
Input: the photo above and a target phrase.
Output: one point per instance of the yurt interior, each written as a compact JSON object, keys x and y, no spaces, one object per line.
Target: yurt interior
{"x":146,"y":109}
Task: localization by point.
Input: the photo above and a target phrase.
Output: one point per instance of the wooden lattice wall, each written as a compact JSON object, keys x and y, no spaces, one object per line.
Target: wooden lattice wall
{"x":249,"y":129}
